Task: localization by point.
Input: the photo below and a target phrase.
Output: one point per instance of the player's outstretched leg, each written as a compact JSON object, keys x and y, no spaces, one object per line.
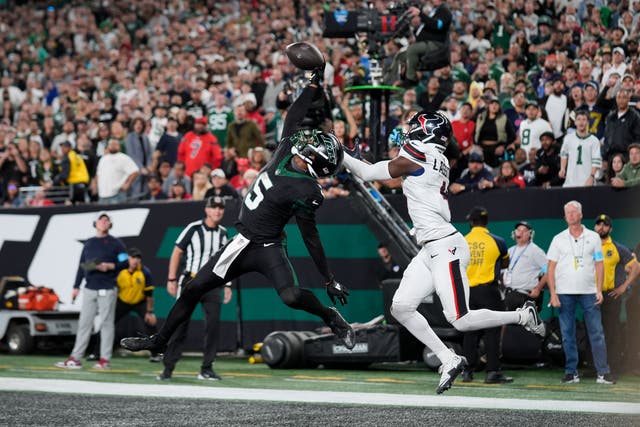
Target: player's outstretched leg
{"x":531,"y":319}
{"x":341,"y":328}
{"x":449,"y":371}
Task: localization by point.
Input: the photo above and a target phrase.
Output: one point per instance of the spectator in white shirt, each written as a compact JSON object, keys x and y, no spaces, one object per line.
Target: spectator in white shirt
{"x":115,"y":173}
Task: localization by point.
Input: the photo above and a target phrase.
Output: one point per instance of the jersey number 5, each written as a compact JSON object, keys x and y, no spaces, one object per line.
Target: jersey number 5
{"x":253,"y":199}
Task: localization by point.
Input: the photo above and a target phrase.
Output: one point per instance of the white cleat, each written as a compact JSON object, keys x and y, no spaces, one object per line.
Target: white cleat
{"x":533,"y":322}
{"x":450,"y":371}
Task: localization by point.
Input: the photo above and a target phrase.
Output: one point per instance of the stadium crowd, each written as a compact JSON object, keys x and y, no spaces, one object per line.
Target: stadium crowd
{"x":177,"y":100}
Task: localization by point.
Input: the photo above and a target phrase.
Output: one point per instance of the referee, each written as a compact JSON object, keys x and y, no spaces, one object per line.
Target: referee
{"x":199,"y":241}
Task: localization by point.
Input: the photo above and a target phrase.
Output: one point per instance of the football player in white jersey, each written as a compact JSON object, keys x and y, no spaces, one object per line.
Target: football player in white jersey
{"x":441,"y":264}
{"x":580,"y":156}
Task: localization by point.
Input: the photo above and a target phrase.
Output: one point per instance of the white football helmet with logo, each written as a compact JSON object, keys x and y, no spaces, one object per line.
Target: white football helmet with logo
{"x":428,"y":127}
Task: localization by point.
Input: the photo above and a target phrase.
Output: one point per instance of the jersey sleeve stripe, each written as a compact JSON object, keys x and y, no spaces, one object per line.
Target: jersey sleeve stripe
{"x":414,"y":153}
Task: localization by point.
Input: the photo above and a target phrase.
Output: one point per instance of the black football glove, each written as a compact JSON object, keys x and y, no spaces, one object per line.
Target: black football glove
{"x":336,"y":290}
{"x":317,"y":76}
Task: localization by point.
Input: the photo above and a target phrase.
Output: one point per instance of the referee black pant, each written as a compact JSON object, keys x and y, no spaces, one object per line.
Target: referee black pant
{"x":484,"y":296}
{"x":211,"y":305}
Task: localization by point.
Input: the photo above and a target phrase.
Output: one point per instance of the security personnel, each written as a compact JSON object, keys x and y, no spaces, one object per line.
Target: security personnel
{"x":488,"y":255}
{"x":73,"y":172}
{"x":621,"y":268}
{"x":135,"y":293}
{"x":198,"y":241}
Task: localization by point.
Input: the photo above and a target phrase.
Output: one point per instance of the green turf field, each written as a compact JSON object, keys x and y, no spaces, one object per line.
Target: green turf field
{"x":534,"y":384}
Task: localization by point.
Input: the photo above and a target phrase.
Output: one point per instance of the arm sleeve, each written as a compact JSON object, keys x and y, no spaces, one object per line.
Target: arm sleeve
{"x":311,"y":238}
{"x":182,"y":148}
{"x":368,"y":172}
{"x":511,"y":132}
{"x":184,"y":239}
{"x":80,"y":273}
{"x":148,"y":280}
{"x":122,"y":259}
{"x":596,"y":158}
{"x":299,"y":109}
{"x":439,"y":23}
{"x":64,"y":172}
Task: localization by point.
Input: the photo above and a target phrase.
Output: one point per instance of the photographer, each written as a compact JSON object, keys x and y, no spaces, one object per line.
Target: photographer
{"x":431,"y":32}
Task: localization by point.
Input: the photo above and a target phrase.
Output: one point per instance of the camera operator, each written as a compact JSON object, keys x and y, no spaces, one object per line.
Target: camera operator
{"x":430,"y":33}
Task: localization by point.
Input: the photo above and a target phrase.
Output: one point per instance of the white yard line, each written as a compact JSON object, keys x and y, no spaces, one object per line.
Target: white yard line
{"x":221,"y":393}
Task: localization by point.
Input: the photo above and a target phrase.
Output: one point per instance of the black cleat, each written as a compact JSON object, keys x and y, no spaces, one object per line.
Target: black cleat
{"x":495,"y":377}
{"x":165,"y":375}
{"x":450,"y":371}
{"x":342,"y":329}
{"x":145,"y":342}
{"x":208,"y":374}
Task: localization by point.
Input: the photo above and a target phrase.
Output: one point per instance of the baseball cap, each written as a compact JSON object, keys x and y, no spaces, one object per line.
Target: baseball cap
{"x":525,"y":223}
{"x":547,"y":133}
{"x":593,"y":84}
{"x":478,"y":212}
{"x":201,"y":120}
{"x":218,"y":172}
{"x":604,"y":218}
{"x":103,"y":213}
{"x":476,"y":157}
{"x":531,"y":103}
{"x":215,"y":202}
{"x":619,"y":50}
{"x":135,"y":253}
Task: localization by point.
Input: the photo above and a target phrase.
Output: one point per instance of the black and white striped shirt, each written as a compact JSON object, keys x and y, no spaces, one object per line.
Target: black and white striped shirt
{"x":200,"y":242}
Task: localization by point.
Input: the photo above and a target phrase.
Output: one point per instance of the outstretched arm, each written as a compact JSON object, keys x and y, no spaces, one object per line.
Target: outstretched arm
{"x":311,"y":238}
{"x":382,"y":170}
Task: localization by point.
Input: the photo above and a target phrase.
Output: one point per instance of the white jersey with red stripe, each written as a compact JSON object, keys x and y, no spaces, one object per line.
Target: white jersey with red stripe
{"x":426,"y":192}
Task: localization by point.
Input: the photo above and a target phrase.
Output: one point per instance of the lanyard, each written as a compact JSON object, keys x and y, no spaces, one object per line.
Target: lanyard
{"x":515,"y":261}
{"x":577,"y":259}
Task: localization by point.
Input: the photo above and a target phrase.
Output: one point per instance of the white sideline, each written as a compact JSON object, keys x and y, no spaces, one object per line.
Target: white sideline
{"x":223,"y":393}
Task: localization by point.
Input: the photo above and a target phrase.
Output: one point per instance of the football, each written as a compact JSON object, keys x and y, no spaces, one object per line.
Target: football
{"x":305,"y":56}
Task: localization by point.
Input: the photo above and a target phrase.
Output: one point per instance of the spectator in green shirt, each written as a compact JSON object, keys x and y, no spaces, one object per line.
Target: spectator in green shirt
{"x":630,"y":174}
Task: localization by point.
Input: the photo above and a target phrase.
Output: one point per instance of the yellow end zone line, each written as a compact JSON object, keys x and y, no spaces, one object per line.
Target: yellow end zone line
{"x":461,"y":384}
{"x":313,"y":377}
{"x":555,"y":387}
{"x":240,"y":374}
{"x":390,"y":380}
{"x":369,"y":380}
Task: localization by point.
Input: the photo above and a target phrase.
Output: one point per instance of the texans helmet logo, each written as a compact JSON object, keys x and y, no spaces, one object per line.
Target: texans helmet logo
{"x":430,"y":124}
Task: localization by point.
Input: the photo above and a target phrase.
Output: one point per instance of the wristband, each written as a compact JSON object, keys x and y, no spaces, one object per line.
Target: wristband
{"x":172,"y":280}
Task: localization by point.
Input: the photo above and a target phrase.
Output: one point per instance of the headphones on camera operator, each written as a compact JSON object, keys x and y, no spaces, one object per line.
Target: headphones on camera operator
{"x":532,"y":232}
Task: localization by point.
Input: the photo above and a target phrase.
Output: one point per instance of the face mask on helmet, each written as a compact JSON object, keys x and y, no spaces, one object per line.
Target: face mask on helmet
{"x":321,"y":152}
{"x":428,"y":127}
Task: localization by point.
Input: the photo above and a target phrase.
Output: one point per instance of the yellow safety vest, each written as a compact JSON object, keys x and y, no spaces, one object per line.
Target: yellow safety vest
{"x":78,"y":173}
